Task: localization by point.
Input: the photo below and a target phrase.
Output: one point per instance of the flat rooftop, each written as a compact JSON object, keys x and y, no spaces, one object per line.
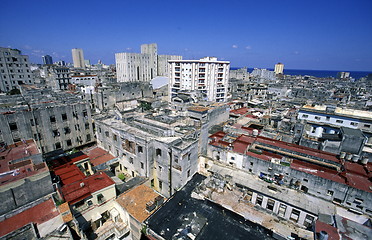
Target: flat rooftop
{"x":185,"y":217}
{"x":135,"y":200}
{"x":16,"y":162}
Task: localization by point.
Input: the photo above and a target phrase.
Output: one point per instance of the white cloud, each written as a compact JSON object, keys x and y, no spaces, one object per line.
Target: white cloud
{"x":234,"y":46}
{"x":248,"y":47}
{"x":128,"y":48}
{"x":296,"y":52}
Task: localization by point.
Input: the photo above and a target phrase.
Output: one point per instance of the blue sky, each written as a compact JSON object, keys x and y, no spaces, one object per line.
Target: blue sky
{"x":317,"y":34}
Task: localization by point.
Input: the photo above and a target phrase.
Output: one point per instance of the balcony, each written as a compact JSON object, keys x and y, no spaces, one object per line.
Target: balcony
{"x":110,"y":228}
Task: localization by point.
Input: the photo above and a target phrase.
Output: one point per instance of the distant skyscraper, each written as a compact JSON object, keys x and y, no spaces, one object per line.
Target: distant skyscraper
{"x":279,"y":68}
{"x":78,"y":58}
{"x":47,"y":59}
{"x":343,"y":75}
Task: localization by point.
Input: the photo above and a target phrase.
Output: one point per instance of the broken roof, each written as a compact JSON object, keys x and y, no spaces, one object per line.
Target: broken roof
{"x":185,"y":217}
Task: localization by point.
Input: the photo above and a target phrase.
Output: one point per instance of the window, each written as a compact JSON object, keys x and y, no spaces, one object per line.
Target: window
{"x":52,"y":119}
{"x":115,"y":137}
{"x":339,"y":121}
{"x":85,"y":113}
{"x":13,"y":126}
{"x":233,"y":158}
{"x":317,"y":118}
{"x":55,"y":133}
{"x":100,"y":198}
{"x":270,"y":204}
{"x":152,"y":182}
{"x":305,"y":180}
{"x":32,"y":122}
{"x":107,"y":134}
{"x":282,"y":209}
{"x":295,"y":215}
{"x":67,"y":130}
{"x":158,"y":152}
{"x":142,"y":165}
{"x":367,"y":125}
{"x":160,"y":185}
{"x":58,"y":145}
{"x":188,"y":173}
{"x":305,"y":116}
{"x":259,"y":200}
{"x":68,"y":142}
{"x":131,"y":160}
{"x":88,"y":138}
{"x":330,"y":193}
{"x":353,"y":124}
{"x":86,"y":126}
{"x":308,"y":221}
{"x":140,"y":149}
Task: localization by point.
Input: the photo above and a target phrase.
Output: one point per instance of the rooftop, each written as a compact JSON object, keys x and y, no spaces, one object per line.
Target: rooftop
{"x":81,"y":189}
{"x":16,"y":161}
{"x":38,"y":214}
{"x":135,"y":201}
{"x":340,"y":111}
{"x":98,"y":156}
{"x":185,"y":217}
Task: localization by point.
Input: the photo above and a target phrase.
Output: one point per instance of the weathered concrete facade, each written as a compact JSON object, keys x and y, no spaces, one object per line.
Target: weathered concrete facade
{"x":122,"y":95}
{"x":54,"y":120}
{"x":162,"y":148}
{"x":14,"y":69}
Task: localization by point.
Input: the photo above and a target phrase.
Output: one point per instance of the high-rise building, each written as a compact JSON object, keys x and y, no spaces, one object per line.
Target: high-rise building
{"x":144,"y":66}
{"x":207,"y":77}
{"x":279,"y":68}
{"x":14,"y":69}
{"x":152,"y":50}
{"x":47,"y":59}
{"x":343,"y":75}
{"x":78,"y":58}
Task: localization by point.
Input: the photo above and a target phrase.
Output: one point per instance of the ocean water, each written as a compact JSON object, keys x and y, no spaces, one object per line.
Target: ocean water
{"x":318,"y":73}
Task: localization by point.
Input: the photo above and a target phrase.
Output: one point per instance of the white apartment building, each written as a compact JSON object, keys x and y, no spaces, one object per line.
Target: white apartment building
{"x":279,"y":68}
{"x":14,"y":69}
{"x":78,"y":58}
{"x":207,"y":77}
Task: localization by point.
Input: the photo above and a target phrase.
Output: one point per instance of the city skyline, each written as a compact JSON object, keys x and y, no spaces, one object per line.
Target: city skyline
{"x":332,"y":35}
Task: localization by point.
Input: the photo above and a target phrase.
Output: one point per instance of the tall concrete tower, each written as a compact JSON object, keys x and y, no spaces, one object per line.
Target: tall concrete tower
{"x":152,"y":51}
{"x":279,"y":68}
{"x":78,"y":58}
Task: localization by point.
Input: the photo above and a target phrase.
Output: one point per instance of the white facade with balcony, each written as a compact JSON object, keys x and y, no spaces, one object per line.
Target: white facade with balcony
{"x":207,"y":77}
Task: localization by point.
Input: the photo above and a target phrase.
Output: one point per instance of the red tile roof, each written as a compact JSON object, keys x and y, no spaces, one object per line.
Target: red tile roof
{"x":69,"y":173}
{"x":240,"y":111}
{"x":38,"y":214}
{"x":301,"y":149}
{"x":330,"y":230}
{"x":98,"y":156}
{"x":79,"y":190}
{"x":13,"y":171}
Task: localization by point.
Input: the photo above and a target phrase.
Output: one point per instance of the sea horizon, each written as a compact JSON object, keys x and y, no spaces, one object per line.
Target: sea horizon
{"x":317,"y":73}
